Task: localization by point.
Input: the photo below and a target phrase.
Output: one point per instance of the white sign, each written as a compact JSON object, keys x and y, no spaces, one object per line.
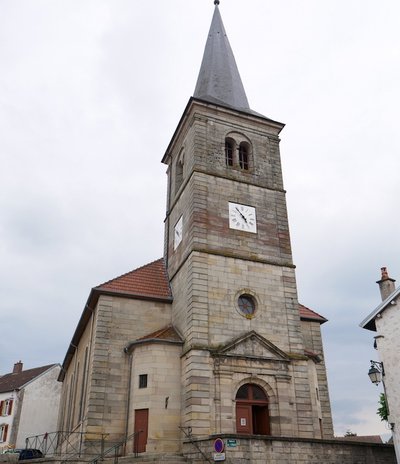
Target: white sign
{"x":243,"y":422}
{"x":219,"y":456}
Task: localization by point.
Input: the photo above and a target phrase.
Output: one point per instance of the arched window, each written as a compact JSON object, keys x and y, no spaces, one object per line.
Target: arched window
{"x":252,"y":416}
{"x":244,"y":156}
{"x":229,"y":148}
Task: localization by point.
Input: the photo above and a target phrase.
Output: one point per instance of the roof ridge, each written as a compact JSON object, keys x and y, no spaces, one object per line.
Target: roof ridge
{"x":28,"y":370}
{"x":15,"y":381}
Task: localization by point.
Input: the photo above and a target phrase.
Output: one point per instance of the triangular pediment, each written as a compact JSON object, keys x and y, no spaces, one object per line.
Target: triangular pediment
{"x":252,"y":345}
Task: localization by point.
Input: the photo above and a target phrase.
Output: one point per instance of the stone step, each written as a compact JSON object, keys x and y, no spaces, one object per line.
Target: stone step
{"x":154,"y":459}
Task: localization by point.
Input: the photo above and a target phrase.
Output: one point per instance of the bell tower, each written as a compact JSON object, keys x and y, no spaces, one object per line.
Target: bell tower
{"x":229,"y":262}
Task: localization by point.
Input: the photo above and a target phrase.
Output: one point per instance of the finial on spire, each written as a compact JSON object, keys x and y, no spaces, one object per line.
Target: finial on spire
{"x":216,"y":2}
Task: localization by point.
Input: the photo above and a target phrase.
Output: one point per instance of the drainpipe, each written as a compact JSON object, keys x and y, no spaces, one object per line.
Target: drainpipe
{"x":167,"y":219}
{"x":128,"y":404}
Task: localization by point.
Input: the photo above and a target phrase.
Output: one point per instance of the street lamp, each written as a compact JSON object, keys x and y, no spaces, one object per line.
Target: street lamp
{"x":376,"y":372}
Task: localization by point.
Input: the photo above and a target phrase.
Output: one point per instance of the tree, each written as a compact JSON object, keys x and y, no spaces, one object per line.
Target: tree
{"x":383,"y":411}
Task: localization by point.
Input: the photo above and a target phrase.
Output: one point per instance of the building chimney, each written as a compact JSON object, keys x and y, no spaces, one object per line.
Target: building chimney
{"x":18,"y":367}
{"x":386,"y":284}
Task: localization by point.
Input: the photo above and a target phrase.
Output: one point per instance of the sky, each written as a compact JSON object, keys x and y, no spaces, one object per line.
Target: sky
{"x":91,"y":92}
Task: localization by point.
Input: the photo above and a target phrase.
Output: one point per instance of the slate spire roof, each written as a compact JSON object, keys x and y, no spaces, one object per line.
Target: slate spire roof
{"x":219,"y":79}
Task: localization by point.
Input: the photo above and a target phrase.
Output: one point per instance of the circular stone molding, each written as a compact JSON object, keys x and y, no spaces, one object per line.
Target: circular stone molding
{"x":246,"y":304}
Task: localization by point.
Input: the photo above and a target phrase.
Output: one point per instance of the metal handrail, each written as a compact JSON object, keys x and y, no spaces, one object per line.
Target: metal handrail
{"x":116,"y":448}
{"x":190,"y":436}
{"x":61,"y":443}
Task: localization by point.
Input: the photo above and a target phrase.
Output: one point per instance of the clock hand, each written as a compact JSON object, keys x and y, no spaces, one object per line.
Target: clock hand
{"x":241,"y":215}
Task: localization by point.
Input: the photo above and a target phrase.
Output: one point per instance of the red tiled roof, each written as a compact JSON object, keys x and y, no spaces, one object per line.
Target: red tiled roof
{"x":11,"y":382}
{"x":310,"y":315}
{"x":167,"y":333}
{"x":150,"y":280}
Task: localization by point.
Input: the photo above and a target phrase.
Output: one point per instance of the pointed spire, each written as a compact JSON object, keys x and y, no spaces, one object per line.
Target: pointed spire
{"x":219,"y":80}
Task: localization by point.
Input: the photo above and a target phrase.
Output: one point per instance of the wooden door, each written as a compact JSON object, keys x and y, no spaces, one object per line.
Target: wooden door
{"x":252,"y":410}
{"x":243,"y":418}
{"x":260,"y":420}
{"x":141,"y":427}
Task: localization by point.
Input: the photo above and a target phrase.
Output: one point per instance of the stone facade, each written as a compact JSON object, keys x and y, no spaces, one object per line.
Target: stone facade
{"x":95,"y":395}
{"x":211,"y":340}
{"x":214,"y":264}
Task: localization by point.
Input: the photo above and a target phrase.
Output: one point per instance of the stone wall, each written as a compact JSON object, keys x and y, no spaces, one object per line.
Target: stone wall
{"x":275,"y":450}
{"x":95,"y":398}
{"x":312,"y":337}
{"x":162,"y":396}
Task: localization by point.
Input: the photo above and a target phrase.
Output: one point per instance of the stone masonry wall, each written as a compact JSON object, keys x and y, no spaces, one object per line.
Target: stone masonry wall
{"x":293,"y":451}
{"x":313,"y":341}
{"x":117,"y":321}
{"x":161,"y":363}
{"x":208,"y":184}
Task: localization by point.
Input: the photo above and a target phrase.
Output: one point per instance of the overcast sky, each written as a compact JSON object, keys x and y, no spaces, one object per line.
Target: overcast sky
{"x":90,"y":94}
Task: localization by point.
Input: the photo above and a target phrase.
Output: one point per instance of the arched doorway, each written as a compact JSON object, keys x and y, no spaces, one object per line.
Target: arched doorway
{"x":252,"y":417}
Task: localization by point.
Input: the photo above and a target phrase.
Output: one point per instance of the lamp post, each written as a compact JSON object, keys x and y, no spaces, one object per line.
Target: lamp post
{"x":376,"y":372}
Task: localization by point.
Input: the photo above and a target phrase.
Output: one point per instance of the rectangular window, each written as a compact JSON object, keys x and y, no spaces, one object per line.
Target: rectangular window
{"x":143,"y":381}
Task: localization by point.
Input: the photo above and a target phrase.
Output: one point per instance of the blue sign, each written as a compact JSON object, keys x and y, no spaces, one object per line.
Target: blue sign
{"x":219,"y":445}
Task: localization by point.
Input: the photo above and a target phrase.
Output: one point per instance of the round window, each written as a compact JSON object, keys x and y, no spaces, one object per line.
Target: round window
{"x":247,"y":305}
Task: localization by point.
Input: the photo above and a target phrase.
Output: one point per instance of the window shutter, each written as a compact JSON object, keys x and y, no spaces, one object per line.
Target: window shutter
{"x":10,"y":406}
{"x":1,"y":407}
{"x":5,"y":432}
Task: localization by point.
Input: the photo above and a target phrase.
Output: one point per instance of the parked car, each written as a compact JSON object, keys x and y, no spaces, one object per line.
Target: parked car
{"x":30,"y":453}
{"x":23,"y":454}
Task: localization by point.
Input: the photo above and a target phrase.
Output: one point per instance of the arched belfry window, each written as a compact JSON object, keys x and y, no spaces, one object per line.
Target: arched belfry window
{"x":244,"y":156}
{"x":252,"y":415}
{"x":229,"y":150}
{"x":179,"y":172}
{"x":238,"y":152}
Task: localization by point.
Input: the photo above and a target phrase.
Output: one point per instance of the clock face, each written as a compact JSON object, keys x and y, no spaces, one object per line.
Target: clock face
{"x":178,"y":232}
{"x":242,"y":217}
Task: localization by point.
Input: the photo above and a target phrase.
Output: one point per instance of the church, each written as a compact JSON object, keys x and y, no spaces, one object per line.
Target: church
{"x":210,"y":340}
